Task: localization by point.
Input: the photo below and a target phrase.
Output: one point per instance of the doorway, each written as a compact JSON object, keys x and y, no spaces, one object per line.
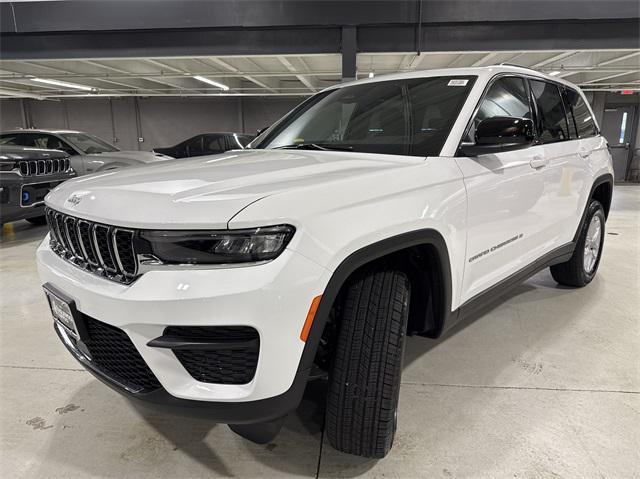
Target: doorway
{"x":618,"y":127}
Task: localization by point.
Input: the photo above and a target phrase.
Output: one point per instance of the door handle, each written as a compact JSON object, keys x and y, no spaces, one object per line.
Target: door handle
{"x":538,"y":162}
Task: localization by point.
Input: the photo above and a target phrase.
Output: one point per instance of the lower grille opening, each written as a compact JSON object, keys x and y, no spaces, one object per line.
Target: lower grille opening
{"x":232,"y":365}
{"x":115,"y":355}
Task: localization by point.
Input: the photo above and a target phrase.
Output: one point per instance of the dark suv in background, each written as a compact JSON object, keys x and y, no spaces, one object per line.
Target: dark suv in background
{"x":207,"y":144}
{"x":26,"y":176}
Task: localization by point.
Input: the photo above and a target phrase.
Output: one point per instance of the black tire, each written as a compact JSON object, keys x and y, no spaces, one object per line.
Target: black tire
{"x":364,"y":383}
{"x":38,"y":220}
{"x":572,"y":272}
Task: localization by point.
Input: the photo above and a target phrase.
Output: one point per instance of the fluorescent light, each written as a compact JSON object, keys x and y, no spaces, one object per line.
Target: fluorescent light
{"x":19,"y":94}
{"x":557,"y":72}
{"x":64,"y":84}
{"x":211,"y":82}
{"x":371,"y":74}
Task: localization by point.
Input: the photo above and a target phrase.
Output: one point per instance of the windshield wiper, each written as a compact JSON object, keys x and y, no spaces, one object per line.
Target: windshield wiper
{"x":314,"y":146}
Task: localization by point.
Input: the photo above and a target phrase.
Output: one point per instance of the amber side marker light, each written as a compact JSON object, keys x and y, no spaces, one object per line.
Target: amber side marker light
{"x":304,"y":334}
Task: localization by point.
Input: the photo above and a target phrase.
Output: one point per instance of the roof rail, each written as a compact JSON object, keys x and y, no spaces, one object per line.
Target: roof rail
{"x":518,"y":66}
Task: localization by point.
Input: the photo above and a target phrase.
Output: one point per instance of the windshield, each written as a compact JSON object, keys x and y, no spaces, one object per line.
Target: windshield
{"x":89,"y":144}
{"x":397,"y":117}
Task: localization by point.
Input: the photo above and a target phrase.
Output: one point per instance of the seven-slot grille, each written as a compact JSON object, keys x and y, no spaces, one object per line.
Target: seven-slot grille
{"x":44,"y":167}
{"x":102,"y":249}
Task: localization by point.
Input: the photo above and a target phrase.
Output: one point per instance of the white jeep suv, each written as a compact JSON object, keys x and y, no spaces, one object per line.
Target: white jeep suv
{"x":375,"y":209}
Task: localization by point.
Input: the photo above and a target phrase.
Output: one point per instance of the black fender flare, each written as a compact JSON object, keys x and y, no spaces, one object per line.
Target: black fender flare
{"x":600,"y":180}
{"x":369,"y":253}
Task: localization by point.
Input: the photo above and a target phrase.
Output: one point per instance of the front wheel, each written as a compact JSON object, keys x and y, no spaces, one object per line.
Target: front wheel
{"x":583,"y":265}
{"x":364,"y":383}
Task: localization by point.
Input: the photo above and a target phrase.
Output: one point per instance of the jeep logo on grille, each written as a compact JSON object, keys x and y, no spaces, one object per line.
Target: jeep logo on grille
{"x":74,"y":199}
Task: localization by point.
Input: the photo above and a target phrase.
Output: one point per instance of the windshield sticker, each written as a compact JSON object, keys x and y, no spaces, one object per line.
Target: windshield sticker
{"x":458,"y":82}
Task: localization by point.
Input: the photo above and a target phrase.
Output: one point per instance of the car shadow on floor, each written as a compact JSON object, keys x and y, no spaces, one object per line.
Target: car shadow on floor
{"x":303,"y":427}
{"x":308,"y":419}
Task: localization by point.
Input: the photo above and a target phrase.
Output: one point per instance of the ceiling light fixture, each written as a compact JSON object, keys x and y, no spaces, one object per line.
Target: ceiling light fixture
{"x":554,"y":73}
{"x":64,"y":84}
{"x":211,"y":82}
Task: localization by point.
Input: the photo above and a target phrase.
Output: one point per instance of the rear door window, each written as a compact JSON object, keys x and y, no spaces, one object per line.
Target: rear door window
{"x":8,"y":140}
{"x":584,"y":126}
{"x":214,"y":144}
{"x":552,"y":122}
{"x":194,"y":146}
{"x":20,"y":139}
{"x":35,"y":140}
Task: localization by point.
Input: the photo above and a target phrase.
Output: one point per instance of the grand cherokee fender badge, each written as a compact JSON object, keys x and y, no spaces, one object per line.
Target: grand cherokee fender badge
{"x":495,"y":247}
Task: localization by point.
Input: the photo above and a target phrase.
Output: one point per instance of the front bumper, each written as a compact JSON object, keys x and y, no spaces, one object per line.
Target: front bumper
{"x":273,"y":298}
{"x":14,"y":207}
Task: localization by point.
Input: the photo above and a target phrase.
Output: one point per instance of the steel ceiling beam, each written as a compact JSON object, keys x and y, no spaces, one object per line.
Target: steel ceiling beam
{"x":251,"y":77}
{"x":555,"y":58}
{"x":608,"y":77}
{"x":302,"y":78}
{"x":171,"y":78}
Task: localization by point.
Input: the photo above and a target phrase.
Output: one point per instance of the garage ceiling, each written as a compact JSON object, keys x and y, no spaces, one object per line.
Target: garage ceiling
{"x":289,"y":75}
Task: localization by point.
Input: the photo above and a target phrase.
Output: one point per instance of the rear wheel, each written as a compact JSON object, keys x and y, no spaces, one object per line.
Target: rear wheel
{"x":364,"y":383}
{"x":583,"y":265}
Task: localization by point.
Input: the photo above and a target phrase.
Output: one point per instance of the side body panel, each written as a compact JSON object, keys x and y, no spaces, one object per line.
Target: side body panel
{"x":337,"y":220}
{"x":507,"y":206}
{"x":568,"y":181}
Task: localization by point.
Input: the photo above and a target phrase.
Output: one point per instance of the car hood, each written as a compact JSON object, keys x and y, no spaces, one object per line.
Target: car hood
{"x":207,"y":191}
{"x":132,"y":156}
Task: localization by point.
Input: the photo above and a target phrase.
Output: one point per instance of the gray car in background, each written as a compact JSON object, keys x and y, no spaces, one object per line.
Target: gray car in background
{"x":88,"y":153}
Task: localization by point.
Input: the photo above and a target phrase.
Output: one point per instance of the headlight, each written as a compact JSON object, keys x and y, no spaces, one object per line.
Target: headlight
{"x":217,"y":247}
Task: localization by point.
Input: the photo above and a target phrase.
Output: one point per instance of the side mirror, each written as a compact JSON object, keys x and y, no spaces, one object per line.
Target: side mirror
{"x":500,"y":133}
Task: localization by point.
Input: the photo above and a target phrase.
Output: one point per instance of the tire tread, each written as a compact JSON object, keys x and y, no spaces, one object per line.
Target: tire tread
{"x":365,"y":380}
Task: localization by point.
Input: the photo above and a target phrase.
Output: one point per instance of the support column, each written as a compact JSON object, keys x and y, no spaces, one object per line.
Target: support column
{"x":25,"y":113}
{"x":349,"y":50}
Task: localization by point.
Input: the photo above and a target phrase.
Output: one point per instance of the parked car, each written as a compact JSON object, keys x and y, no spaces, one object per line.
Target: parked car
{"x":26,"y":176}
{"x":384,"y":207}
{"x":88,"y":153}
{"x":207,"y":144}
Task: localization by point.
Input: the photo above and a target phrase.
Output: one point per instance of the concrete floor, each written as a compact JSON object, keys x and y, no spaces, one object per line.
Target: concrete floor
{"x":547,"y":384}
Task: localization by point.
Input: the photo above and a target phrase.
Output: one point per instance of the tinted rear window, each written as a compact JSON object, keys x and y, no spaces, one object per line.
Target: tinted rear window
{"x":584,"y":123}
{"x":552,"y":122}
